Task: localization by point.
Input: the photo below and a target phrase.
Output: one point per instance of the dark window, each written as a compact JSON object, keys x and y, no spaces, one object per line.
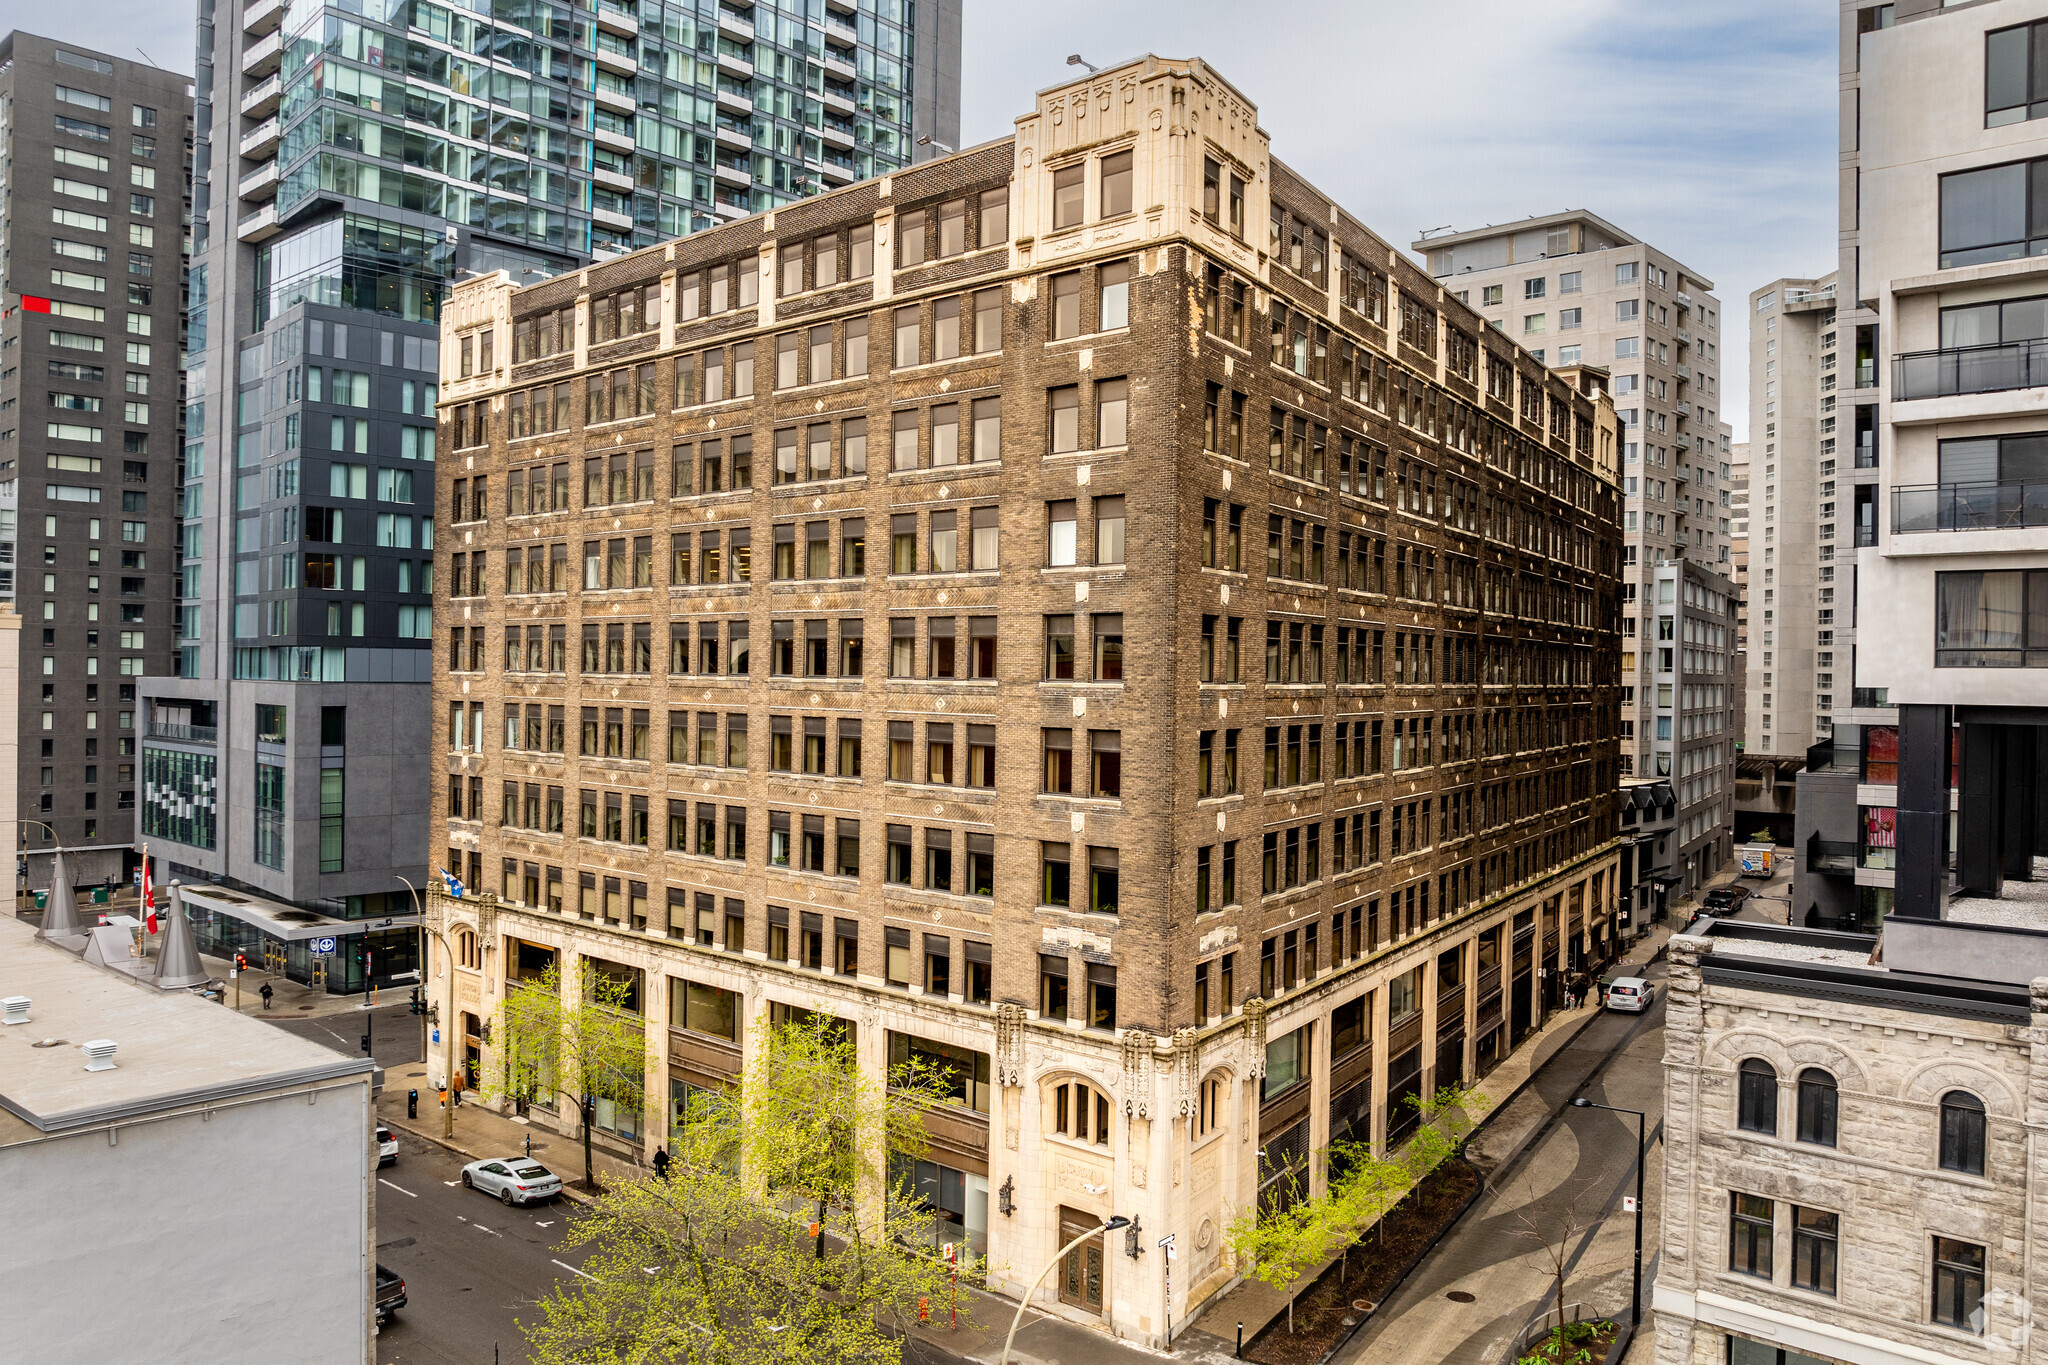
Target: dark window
{"x":1958,"y":1285}
{"x":1757,"y":1097}
{"x":1749,"y":1236}
{"x":1991,"y":619}
{"x":1814,"y":1237}
{"x":2015,"y":74}
{"x":1962,"y":1133}
{"x":1817,"y":1107}
{"x":1994,"y":213}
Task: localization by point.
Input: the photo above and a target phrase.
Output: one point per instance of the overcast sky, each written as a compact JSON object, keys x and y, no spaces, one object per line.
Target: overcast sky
{"x":1706,"y":129}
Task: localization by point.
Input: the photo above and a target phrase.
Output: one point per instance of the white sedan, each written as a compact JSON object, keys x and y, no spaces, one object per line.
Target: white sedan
{"x":514,"y":1179}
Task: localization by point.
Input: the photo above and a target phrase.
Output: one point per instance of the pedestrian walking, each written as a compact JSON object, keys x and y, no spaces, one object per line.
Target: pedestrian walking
{"x":266,"y":993}
{"x":661,"y":1161}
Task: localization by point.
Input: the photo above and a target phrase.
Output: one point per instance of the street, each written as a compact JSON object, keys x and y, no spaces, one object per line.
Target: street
{"x":1491,"y":1277}
{"x":472,"y":1266}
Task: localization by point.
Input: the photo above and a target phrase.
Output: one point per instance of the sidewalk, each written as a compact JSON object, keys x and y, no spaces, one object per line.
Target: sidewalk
{"x":1505,"y":1129}
{"x":481,"y":1133}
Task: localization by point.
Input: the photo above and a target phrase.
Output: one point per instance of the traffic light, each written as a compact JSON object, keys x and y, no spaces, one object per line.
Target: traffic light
{"x":366,"y":1046}
{"x":241,"y":961}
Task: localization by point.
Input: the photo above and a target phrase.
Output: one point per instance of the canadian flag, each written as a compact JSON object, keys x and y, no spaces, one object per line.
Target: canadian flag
{"x":148,"y":896}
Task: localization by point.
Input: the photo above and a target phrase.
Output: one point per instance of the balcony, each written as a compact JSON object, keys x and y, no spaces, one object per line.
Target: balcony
{"x":264,"y":56}
{"x":839,"y":170}
{"x":734,"y":101}
{"x":611,"y":179}
{"x":1833,"y":856}
{"x":841,"y":67}
{"x":618,"y":101}
{"x":835,"y":136}
{"x":732,"y":175}
{"x":617,"y":62}
{"x":262,"y":16}
{"x":738,"y":139}
{"x":836,"y":102}
{"x":1969,"y":507}
{"x":187,"y":734}
{"x":262,"y":139}
{"x":738,"y":67}
{"x":612,"y":19}
{"x":735,"y":26}
{"x":612,"y":218}
{"x":260,"y":183}
{"x":260,"y":101}
{"x":613,"y":139}
{"x":1970,"y":369}
{"x":258,"y":226}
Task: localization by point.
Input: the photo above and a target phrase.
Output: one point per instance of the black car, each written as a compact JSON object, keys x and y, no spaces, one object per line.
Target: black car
{"x":1723,"y":900}
{"x":390,"y":1294}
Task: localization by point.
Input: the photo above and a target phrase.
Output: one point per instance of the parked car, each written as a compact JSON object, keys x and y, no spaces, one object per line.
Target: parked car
{"x":1723,"y":900}
{"x":390,"y":1294}
{"x":387,"y":1146}
{"x":1630,"y":994}
{"x":514,"y":1179}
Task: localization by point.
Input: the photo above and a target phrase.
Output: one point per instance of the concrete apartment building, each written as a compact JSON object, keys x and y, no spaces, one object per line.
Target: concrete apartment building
{"x":350,"y":166}
{"x":1849,"y":1122}
{"x":93,"y":153}
{"x":1346,"y":848}
{"x":1807,"y":424}
{"x":110,"y":1140}
{"x":1579,"y":291}
{"x":1929,"y":789}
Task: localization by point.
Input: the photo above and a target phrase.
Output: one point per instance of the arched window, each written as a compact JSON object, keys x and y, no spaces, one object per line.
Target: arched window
{"x":1757,"y":1098}
{"x":1211,"y":1111}
{"x":466,"y":952}
{"x":1962,"y":1133}
{"x":1817,"y":1107}
{"x":1081,"y":1112}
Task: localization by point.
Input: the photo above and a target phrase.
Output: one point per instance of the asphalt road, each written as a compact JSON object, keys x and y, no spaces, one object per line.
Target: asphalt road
{"x":1564,"y":1187}
{"x":473,"y":1268}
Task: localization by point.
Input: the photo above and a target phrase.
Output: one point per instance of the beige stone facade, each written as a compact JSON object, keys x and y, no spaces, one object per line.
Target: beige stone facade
{"x":1181,"y":853}
{"x":1824,"y":1216}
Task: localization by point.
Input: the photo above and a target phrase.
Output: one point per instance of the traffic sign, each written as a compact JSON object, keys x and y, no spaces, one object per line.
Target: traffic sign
{"x":1166,"y":1245}
{"x":1628,"y":1203}
{"x":323,"y":947}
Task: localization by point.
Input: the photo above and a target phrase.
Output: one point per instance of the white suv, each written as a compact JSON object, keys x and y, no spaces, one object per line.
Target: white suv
{"x":1630,"y":994}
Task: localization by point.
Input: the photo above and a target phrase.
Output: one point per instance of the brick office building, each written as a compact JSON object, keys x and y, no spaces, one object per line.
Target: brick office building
{"x":1011,"y":746}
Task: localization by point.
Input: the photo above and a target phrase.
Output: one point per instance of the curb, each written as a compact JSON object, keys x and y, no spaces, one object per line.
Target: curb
{"x":570,"y":1193}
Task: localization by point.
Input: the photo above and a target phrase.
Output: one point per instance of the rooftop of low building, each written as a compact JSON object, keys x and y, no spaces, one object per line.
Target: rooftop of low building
{"x":173,"y":1049}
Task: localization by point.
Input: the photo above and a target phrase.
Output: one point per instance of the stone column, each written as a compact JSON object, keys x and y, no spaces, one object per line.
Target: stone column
{"x":1684,"y":1045}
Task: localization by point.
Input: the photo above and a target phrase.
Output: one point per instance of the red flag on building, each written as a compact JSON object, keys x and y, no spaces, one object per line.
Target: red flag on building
{"x":148,"y":893}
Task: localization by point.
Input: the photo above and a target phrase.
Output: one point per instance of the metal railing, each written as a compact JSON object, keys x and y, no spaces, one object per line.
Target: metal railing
{"x":1970,"y":369}
{"x":1830,"y":855}
{"x":192,"y":734}
{"x":1969,"y":507}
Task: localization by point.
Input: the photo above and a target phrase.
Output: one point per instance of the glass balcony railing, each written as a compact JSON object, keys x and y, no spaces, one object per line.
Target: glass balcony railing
{"x":1970,"y":369}
{"x":1969,"y":507}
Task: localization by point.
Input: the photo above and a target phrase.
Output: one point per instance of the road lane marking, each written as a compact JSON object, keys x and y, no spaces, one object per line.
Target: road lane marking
{"x":481,"y":1228}
{"x":550,"y":1223}
{"x":574,"y":1271}
{"x":400,"y":1188}
{"x":451,"y":1182}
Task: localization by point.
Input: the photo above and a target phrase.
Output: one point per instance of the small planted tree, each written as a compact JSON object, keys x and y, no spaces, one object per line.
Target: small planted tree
{"x":584,"y":1046}
{"x":1284,"y":1240}
{"x":779,"y":1234}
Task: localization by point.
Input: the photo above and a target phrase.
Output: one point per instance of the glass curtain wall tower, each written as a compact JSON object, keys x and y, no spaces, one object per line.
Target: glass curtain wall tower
{"x":352,"y":161}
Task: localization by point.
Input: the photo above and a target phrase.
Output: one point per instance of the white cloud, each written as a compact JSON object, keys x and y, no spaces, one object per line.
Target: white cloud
{"x":1708,"y":131}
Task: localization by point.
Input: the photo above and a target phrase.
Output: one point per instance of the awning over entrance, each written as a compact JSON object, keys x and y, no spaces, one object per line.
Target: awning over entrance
{"x":287,"y":922}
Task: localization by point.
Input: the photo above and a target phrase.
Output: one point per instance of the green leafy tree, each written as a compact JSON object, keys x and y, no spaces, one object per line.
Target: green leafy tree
{"x":1284,"y":1240}
{"x":587,"y":1046}
{"x":779,"y":1234}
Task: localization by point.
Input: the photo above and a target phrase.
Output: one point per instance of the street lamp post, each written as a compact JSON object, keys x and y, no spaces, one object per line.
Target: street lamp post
{"x":1111,"y":1226}
{"x":1635,"y":1309}
{"x":447,"y":1024}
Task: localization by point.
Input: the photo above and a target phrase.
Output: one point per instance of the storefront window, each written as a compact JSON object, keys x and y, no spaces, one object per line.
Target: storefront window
{"x":957,"y":1200}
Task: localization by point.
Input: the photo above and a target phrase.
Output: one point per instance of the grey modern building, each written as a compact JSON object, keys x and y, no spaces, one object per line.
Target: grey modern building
{"x":349,"y":167}
{"x":93,"y":154}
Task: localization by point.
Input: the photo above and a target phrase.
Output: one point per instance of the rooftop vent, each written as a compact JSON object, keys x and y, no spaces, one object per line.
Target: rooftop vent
{"x":99,"y":1054}
{"x":14,"y":1010}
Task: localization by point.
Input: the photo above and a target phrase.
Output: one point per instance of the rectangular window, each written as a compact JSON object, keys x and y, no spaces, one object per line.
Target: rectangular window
{"x":1749,"y":1235}
{"x":1814,"y":1238}
{"x":1069,"y":187}
{"x":1958,"y":1285}
{"x":1991,"y":619}
{"x":1993,"y":213}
